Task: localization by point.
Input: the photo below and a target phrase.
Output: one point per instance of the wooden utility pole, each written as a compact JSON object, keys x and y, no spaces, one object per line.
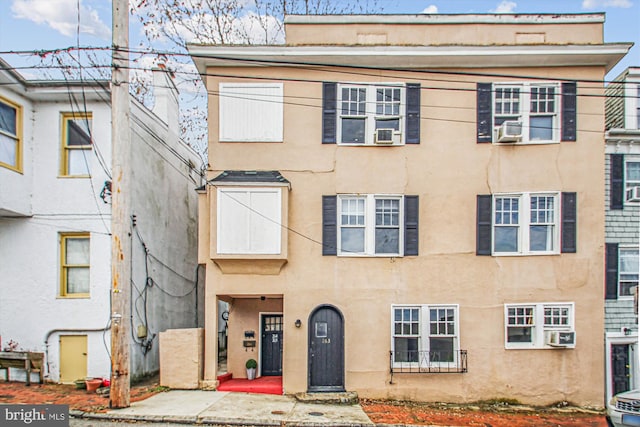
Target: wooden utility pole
{"x":120,"y":209}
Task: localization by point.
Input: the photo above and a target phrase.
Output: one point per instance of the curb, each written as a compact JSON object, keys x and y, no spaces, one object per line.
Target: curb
{"x":213,"y":421}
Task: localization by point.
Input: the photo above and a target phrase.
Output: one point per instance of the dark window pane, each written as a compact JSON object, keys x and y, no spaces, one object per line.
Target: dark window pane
{"x":406,"y":349}
{"x":78,"y":132}
{"x":506,"y":239}
{"x":353,"y":131}
{"x":387,"y":240}
{"x":441,"y":349}
{"x":388,"y":124}
{"x":8,"y":119}
{"x":352,"y":240}
{"x":515,"y":334}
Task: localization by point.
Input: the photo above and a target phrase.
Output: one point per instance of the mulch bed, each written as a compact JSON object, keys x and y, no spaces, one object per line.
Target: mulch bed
{"x":63,"y":394}
{"x":484,"y":415}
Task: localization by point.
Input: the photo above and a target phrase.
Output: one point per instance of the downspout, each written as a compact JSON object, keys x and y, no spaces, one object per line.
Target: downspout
{"x":53,"y":331}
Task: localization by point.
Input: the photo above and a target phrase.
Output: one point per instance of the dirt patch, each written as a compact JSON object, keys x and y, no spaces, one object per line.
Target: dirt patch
{"x":479,"y":415}
{"x":62,"y":394}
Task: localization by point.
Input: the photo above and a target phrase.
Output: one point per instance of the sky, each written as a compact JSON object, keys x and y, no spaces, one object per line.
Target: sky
{"x":27,"y":25}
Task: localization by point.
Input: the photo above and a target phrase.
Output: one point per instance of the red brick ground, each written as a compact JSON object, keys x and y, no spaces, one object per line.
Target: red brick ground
{"x":17,"y":392}
{"x":383,"y":412}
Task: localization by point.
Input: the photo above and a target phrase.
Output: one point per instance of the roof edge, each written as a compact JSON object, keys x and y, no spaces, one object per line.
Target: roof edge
{"x":437,"y":18}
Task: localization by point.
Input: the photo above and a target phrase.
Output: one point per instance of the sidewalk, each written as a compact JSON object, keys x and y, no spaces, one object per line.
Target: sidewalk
{"x":231,"y":408}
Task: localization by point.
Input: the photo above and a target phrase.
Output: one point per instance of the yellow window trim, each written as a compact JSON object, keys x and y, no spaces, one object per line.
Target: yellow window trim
{"x":64,"y":266}
{"x":17,"y":136}
{"x":64,"y":158}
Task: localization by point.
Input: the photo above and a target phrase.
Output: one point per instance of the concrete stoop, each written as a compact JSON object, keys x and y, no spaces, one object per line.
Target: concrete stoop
{"x":343,"y":398}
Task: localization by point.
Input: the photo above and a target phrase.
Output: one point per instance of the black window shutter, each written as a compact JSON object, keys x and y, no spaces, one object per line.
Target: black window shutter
{"x":569,"y":111}
{"x":413,"y":113}
{"x":568,"y":223}
{"x":329,"y":112}
{"x":611,"y":268}
{"x":411,"y":231}
{"x":485,"y":115}
{"x":616,"y":177}
{"x":329,"y":225}
{"x":483,"y":228}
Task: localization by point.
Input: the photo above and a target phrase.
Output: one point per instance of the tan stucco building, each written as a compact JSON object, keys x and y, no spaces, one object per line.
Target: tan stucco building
{"x":411,"y":207}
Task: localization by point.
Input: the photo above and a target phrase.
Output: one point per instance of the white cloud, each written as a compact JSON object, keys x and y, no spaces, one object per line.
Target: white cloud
{"x":505,"y":7}
{"x":432,"y":8}
{"x":595,"y":4}
{"x":62,"y":16}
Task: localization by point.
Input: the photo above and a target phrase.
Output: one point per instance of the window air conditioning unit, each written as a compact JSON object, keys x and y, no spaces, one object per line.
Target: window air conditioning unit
{"x":384,"y":136}
{"x":510,"y":131}
{"x":633,"y":194}
{"x":560,"y":338}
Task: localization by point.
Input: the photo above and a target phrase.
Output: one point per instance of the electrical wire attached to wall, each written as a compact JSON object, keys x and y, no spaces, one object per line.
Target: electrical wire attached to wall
{"x":144,"y":338}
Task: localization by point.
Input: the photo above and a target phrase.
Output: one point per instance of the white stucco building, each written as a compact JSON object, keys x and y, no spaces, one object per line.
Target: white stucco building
{"x":55,"y":221}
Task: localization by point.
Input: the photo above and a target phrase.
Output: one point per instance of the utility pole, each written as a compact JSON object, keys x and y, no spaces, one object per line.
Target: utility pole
{"x":120,"y":209}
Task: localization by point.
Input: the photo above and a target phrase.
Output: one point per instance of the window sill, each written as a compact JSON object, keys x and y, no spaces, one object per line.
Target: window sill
{"x":370,"y":256}
{"x":512,"y":254}
{"x":76,"y":296}
{"x":250,"y":264}
{"x":526,"y":143}
{"x":346,"y":144}
{"x":74,"y":176}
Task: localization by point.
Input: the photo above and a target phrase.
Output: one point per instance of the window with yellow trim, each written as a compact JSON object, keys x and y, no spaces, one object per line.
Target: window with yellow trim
{"x":76,"y":144}
{"x":74,"y":265}
{"x":10,"y":135}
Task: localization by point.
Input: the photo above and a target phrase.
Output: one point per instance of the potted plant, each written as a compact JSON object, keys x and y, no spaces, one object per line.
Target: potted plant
{"x":251,"y":366}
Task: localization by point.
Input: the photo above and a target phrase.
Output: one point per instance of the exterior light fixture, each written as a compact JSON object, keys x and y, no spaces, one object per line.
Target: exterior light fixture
{"x":298,"y":323}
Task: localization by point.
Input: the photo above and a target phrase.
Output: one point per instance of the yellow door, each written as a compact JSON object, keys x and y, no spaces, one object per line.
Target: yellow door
{"x":73,"y":358}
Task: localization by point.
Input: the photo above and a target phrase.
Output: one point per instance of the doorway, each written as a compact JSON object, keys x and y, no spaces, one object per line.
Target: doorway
{"x":326,"y":350}
{"x":271,"y":358}
{"x":73,"y":358}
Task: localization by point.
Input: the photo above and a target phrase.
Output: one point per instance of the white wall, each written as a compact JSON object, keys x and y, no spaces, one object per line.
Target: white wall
{"x":165,"y":204}
{"x":14,"y":185}
{"x":30,"y":303}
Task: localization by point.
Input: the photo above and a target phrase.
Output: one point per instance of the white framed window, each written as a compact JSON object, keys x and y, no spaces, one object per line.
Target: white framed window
{"x":631,"y":179}
{"x":528,"y":326}
{"x":425,"y":334}
{"x":370,"y":225}
{"x":251,"y":112}
{"x":249,"y":220}
{"x":531,"y":110}
{"x":10,"y":135}
{"x":365,"y":108}
{"x":628,"y":270}
{"x":526,"y":223}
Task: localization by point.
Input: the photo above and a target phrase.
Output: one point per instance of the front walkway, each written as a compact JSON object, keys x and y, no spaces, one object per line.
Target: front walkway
{"x":215,"y":407}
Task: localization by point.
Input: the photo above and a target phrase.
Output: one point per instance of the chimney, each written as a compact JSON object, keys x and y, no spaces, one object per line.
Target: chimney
{"x":166,"y":98}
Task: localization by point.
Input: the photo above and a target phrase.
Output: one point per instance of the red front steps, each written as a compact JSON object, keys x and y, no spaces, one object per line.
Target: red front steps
{"x":264,"y":385}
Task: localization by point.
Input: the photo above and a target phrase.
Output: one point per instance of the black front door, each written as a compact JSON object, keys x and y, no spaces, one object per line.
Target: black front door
{"x":620,"y":367}
{"x":271,"y":345}
{"x":326,"y":350}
